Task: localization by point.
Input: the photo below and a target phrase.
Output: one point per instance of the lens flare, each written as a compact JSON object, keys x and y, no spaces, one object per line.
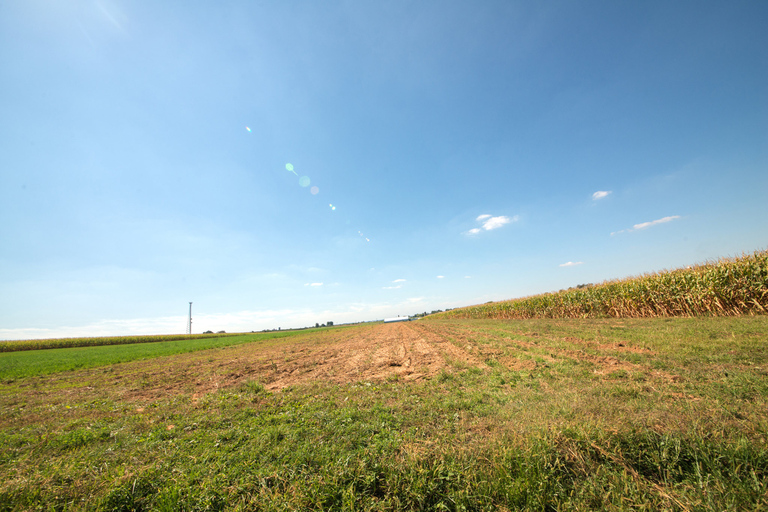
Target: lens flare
{"x":305,"y":182}
{"x":249,"y":130}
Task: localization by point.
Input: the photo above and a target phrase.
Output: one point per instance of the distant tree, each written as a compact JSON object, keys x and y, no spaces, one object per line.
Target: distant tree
{"x":317,"y":325}
{"x":208,"y":332}
{"x":330,"y":324}
{"x":220,"y":332}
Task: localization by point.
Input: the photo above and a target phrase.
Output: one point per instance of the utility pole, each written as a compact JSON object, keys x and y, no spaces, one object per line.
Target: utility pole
{"x":189,"y":324}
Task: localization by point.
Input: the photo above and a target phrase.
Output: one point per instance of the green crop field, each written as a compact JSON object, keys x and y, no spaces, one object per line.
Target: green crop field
{"x":735,"y":286}
{"x":438,"y":414}
{"x":30,"y":362}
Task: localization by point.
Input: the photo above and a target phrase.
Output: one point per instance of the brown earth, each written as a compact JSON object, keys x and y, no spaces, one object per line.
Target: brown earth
{"x":408,"y":352}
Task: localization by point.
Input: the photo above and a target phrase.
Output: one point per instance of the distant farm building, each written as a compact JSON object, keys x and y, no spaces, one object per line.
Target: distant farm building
{"x":397,"y":319}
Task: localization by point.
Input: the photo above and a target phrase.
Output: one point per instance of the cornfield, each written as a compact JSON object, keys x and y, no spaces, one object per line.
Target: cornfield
{"x":728,"y":287}
{"x":13,"y":346}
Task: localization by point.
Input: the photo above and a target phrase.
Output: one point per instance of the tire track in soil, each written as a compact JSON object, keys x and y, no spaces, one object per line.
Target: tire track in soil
{"x":401,"y":350}
{"x":406,"y":351}
{"x":410,"y":352}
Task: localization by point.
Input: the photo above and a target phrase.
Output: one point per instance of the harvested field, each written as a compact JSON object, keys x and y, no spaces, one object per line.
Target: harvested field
{"x":478,"y":415}
{"x":410,"y":352}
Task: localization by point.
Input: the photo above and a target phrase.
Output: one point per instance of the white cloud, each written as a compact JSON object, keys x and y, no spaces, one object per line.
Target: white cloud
{"x":571,"y":264}
{"x":394,"y":287}
{"x":440,"y":277}
{"x":490,"y":222}
{"x":467,"y":277}
{"x":600,"y":194}
{"x":644,"y":225}
{"x":497,"y":222}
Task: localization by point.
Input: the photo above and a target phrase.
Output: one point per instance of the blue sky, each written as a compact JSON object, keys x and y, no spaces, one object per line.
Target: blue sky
{"x":473,"y":151}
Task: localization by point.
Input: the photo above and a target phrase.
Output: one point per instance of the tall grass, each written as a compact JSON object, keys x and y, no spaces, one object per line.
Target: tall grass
{"x":730,"y":287}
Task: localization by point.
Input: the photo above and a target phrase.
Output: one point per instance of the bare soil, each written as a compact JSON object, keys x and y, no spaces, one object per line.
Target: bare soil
{"x":409,"y":352}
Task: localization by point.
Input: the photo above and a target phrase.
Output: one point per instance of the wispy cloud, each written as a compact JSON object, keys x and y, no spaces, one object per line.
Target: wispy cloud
{"x":646,"y":225}
{"x":600,"y":194}
{"x":489,"y":222}
{"x":440,"y":277}
{"x":396,"y":286}
{"x":571,"y":263}
{"x":313,"y":284}
{"x":497,"y":222}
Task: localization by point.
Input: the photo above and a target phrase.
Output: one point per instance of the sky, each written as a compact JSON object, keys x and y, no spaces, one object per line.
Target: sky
{"x":282,"y":164}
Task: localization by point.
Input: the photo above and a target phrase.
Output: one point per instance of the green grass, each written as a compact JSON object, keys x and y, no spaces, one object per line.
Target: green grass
{"x":682,"y":425}
{"x":25,"y":363}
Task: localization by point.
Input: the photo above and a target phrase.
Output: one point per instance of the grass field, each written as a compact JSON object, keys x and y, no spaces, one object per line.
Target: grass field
{"x":29,"y":362}
{"x":615,"y":414}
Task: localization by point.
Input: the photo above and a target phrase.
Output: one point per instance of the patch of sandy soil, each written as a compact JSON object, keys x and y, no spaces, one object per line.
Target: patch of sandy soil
{"x":404,"y":351}
{"x":409,"y":352}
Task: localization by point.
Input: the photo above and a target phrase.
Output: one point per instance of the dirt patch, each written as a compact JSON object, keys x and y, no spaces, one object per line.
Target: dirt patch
{"x":386,"y":351}
{"x":407,"y":352}
{"x":402,"y":351}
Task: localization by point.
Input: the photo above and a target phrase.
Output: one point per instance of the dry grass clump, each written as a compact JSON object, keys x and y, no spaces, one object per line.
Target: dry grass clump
{"x":729,"y":287}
